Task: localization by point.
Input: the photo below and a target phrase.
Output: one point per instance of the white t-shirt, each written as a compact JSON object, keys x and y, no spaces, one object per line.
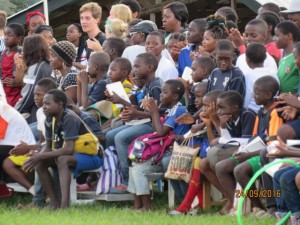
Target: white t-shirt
{"x":14,"y":127}
{"x":40,"y":116}
{"x":250,"y":78}
{"x":131,"y":52}
{"x":268,"y":63}
{"x":166,"y":70}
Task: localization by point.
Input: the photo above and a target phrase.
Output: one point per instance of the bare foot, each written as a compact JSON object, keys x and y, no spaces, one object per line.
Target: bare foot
{"x":226,"y":209}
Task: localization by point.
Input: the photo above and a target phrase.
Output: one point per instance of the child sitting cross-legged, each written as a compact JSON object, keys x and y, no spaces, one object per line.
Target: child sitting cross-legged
{"x":172,"y":92}
{"x":241,"y":166}
{"x":210,"y":119}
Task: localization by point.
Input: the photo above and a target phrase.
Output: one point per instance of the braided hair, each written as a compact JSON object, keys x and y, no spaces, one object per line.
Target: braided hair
{"x":216,"y":24}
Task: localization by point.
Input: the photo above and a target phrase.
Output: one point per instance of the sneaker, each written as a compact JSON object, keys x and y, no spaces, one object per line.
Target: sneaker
{"x":120,"y":189}
{"x":175,"y":213}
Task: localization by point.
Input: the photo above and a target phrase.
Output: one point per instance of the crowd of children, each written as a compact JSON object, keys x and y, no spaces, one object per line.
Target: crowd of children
{"x":203,"y":75}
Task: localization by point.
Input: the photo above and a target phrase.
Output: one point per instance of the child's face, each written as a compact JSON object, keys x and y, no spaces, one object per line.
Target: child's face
{"x":92,"y":68}
{"x":173,"y":49}
{"x":140,"y":69}
{"x":254,"y":34}
{"x":115,"y":72}
{"x":10,"y":37}
{"x":55,"y":62}
{"x":194,"y":35}
{"x":73,"y":33}
{"x":224,"y":59}
{"x":38,"y":95}
{"x":138,"y":82}
{"x":166,"y":96}
{"x":297,"y":58}
{"x":209,"y":42}
{"x":260,"y":96}
{"x":199,"y":73}
{"x":47,"y":35}
{"x":223,"y":108}
{"x":281,"y":39}
{"x":154,"y":45}
{"x":50,"y":107}
{"x":199,"y":94}
{"x":207,"y":105}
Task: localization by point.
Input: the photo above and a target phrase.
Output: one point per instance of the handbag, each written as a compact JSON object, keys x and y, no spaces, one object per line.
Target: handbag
{"x":109,"y":172}
{"x":182,"y":162}
{"x":145,"y":147}
{"x":86,"y":143}
{"x":4,"y":190}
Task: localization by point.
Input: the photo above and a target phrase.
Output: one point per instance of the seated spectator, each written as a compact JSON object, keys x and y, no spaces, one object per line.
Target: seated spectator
{"x":36,"y":59}
{"x":62,"y":55}
{"x":115,"y":28}
{"x":47,"y":33}
{"x":166,"y":69}
{"x":114,"y":47}
{"x":14,"y":130}
{"x":19,"y":154}
{"x":173,"y":91}
{"x":144,"y":69}
{"x":62,"y":131}
{"x":226,"y":76}
{"x":194,"y":37}
{"x":255,"y":57}
{"x":97,"y":70}
{"x":12,"y":84}
{"x":176,"y":43}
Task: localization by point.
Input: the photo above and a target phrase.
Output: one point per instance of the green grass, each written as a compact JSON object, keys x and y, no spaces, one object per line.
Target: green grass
{"x":111,"y":214}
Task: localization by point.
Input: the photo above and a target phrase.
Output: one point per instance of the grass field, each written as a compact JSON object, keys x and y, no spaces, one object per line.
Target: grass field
{"x":111,"y":214}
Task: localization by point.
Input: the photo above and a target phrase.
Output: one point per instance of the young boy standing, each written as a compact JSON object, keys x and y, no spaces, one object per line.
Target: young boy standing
{"x":97,"y":69}
{"x":226,"y":76}
{"x":287,"y":34}
{"x":63,"y":127}
{"x":144,"y":68}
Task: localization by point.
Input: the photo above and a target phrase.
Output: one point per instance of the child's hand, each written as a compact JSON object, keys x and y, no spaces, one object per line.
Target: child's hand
{"x":202,"y":52}
{"x":83,"y":77}
{"x":224,"y":119}
{"x":10,"y":82}
{"x":115,"y":98}
{"x":177,"y":137}
{"x":150,"y":105}
{"x":187,"y":84}
{"x":185,"y":119}
{"x":94,"y":44}
{"x":128,"y":114}
{"x":240,"y":156}
{"x":290,"y":100}
{"x":282,"y":150}
{"x":196,"y":127}
{"x":205,"y":118}
{"x":236,"y":37}
{"x":21,"y":149}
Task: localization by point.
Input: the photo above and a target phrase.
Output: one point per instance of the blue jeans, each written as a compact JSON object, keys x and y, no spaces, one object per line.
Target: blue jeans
{"x":121,"y":138}
{"x":36,"y":134}
{"x":284,"y":180}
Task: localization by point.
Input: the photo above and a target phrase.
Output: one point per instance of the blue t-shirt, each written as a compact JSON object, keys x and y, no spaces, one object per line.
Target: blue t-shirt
{"x":232,"y":80}
{"x":153,"y":89}
{"x":184,"y":59}
{"x":174,"y":113}
{"x":96,"y":91}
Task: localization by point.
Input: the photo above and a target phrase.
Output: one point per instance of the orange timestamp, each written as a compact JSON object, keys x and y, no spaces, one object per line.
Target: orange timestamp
{"x":257,"y":193}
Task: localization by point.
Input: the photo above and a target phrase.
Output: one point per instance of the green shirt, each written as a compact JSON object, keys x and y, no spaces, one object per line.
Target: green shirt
{"x":288,"y":75}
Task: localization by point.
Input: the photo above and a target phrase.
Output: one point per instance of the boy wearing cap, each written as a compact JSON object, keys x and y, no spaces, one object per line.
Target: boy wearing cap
{"x":90,"y":17}
{"x":293,"y":12}
{"x":138,"y":34}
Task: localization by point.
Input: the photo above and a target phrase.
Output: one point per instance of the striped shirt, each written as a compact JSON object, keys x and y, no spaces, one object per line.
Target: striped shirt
{"x":2,"y":44}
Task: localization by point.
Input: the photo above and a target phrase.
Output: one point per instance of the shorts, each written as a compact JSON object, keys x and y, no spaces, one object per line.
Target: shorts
{"x":217,"y":153}
{"x":295,"y":124}
{"x":86,"y":162}
{"x":254,"y":163}
{"x":18,"y":160}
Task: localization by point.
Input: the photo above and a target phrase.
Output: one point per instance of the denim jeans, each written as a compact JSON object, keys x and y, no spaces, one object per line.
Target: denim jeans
{"x":284,"y":180}
{"x":36,"y":134}
{"x":121,"y":138}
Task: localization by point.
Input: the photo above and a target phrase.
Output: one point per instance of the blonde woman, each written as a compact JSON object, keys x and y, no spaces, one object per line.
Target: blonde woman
{"x":120,"y":11}
{"x":115,"y":28}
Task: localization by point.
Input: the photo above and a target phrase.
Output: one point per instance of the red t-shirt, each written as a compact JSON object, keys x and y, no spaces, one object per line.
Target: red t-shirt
{"x":272,"y":49}
{"x":13,"y":94}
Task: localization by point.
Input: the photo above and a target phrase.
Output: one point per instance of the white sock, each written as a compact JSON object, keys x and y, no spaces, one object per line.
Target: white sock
{"x":31,"y":190}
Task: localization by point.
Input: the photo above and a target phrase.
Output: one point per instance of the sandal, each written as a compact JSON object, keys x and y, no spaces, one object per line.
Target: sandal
{"x":258,"y":212}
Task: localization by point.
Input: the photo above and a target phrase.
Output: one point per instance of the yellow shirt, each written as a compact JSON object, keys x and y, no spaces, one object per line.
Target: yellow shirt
{"x":116,"y":108}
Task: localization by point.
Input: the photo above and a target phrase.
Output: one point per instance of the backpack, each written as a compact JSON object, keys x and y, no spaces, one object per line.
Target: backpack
{"x":145,"y":147}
